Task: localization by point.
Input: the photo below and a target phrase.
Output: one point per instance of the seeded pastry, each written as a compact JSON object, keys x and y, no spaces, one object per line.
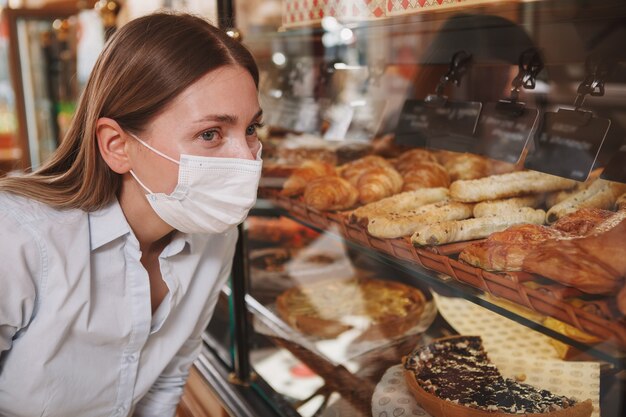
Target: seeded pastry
{"x":470,"y":229}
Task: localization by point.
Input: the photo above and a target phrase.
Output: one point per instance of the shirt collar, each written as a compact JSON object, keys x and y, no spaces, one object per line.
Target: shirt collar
{"x":107,"y":224}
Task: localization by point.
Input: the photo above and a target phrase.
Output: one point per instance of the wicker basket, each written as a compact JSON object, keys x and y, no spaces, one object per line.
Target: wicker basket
{"x":596,"y":316}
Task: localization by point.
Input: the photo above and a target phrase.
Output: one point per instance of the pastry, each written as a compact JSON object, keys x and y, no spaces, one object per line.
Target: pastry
{"x":403,"y":223}
{"x":377,"y":183}
{"x":352,"y":171}
{"x":466,"y":166}
{"x":595,"y":263}
{"x":470,"y":229}
{"x":453,"y":377}
{"x":400,"y":202}
{"x":582,"y":221}
{"x":409,"y":159}
{"x":307,"y":172}
{"x":330,"y":193}
{"x":513,"y":184}
{"x":506,"y":250}
{"x":600,"y":194}
{"x":495,"y":207}
{"x":425,"y":174}
{"x":383,"y":309}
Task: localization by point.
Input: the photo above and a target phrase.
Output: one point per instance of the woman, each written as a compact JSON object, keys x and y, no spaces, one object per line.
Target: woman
{"x":113,"y":253}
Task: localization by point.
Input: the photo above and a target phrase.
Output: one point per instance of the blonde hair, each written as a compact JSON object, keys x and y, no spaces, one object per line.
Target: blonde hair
{"x":142,"y":68}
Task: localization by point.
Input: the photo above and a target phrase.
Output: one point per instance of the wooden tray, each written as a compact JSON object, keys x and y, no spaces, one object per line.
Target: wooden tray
{"x":596,"y":316}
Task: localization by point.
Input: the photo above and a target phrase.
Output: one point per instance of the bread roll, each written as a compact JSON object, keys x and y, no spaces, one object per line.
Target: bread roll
{"x":470,"y":229}
{"x":404,"y":223}
{"x":507,"y":185}
{"x":600,"y":194}
{"x":400,"y":202}
{"x":496,"y":207}
{"x":304,"y":174}
{"x":330,"y":193}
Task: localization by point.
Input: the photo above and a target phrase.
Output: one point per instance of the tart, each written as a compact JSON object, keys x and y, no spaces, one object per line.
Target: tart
{"x":382,"y":309}
{"x":453,"y":376}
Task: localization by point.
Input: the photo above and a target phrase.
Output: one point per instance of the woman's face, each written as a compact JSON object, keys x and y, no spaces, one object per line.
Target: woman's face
{"x":216,"y":116}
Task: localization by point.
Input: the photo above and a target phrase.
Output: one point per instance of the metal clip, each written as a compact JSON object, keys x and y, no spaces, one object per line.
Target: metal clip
{"x":593,"y":84}
{"x":530,"y":65}
{"x":458,"y":67}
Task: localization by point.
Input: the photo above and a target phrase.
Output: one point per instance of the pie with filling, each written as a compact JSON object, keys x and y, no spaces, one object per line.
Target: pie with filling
{"x":453,"y":376}
{"x":382,"y":309}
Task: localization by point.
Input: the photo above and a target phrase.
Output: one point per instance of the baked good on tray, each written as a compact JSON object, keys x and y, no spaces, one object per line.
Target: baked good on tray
{"x":330,"y":193}
{"x":506,"y":250}
{"x":307,"y":172}
{"x":512,"y":184}
{"x":600,"y":194}
{"x":454,"y":377}
{"x":386,"y":309}
{"x":595,"y":263}
{"x":476,"y":228}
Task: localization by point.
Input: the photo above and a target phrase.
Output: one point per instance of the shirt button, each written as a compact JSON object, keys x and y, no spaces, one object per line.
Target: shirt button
{"x":120,"y":410}
{"x":132,"y":357}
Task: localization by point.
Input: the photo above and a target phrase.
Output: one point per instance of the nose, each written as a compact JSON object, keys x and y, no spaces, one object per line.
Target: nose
{"x":241,"y":149}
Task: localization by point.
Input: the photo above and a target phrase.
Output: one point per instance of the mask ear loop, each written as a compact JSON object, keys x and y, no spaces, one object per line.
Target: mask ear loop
{"x":156,"y":151}
{"x":140,"y":183}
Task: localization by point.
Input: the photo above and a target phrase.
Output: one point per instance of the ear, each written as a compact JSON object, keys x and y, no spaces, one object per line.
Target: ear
{"x":112,"y":144}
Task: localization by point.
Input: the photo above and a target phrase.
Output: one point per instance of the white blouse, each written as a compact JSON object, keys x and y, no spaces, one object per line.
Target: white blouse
{"x":77,"y":334}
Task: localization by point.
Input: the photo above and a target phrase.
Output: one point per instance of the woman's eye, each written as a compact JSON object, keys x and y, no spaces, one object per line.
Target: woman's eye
{"x":209,"y":135}
{"x":251,"y":130}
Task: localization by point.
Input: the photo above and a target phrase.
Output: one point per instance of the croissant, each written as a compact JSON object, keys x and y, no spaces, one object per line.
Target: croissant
{"x":330,"y":193}
{"x":307,"y":172}
{"x":426,"y":175}
{"x":378,"y":183}
{"x":413,"y":157}
{"x":466,"y":166}
{"x":352,"y":171}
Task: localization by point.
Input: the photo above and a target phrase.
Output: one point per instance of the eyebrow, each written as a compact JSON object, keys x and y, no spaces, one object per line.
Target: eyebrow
{"x":226,"y":118}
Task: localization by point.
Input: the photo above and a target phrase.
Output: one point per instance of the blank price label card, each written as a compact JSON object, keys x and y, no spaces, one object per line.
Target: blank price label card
{"x":449,"y":126}
{"x":504,"y":130}
{"x":567,"y":144}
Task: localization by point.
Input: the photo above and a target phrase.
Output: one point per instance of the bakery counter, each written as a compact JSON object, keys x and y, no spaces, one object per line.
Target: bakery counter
{"x":308,"y":347}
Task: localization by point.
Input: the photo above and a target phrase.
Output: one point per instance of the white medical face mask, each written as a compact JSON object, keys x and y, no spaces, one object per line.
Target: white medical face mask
{"x":212,"y":194}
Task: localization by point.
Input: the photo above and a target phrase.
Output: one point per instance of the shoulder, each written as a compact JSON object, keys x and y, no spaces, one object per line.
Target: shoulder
{"x":27,"y":211}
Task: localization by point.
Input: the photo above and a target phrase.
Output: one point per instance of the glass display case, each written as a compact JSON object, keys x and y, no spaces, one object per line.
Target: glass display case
{"x":431,"y":169}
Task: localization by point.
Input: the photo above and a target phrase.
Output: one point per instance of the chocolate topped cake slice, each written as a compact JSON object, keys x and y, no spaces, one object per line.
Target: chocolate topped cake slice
{"x":454,"y":377}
